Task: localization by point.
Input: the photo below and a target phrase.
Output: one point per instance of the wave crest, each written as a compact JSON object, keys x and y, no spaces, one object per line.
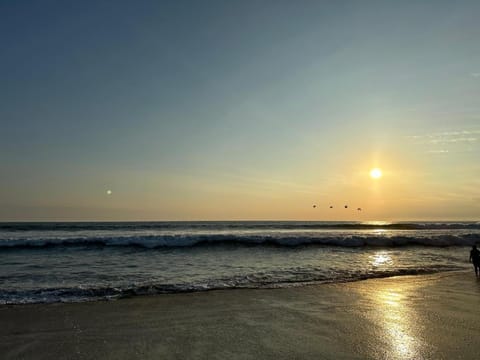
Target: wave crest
{"x":168,"y":241}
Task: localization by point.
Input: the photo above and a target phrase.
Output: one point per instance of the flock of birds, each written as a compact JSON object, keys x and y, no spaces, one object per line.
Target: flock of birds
{"x":331,"y":207}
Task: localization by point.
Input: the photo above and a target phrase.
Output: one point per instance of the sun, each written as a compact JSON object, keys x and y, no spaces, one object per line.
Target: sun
{"x":376,"y":173}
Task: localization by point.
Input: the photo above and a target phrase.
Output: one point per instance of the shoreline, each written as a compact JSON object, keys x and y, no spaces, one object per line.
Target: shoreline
{"x":293,"y":285}
{"x":411,"y":316}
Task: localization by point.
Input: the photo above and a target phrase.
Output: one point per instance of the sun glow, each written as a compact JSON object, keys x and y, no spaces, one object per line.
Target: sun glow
{"x":375,"y":173}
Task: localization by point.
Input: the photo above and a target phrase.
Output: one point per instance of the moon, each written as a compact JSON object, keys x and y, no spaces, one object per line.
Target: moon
{"x":109,"y":192}
{"x":375,"y":173}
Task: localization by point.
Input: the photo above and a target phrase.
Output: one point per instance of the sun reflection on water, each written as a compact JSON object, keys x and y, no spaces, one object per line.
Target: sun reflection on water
{"x":397,"y":322}
{"x":376,"y":223}
{"x":381,"y":258}
{"x":390,"y":305}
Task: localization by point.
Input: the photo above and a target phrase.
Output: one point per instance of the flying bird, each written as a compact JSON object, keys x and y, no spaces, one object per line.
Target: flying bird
{"x":331,"y":206}
{"x":359,"y":209}
{"x":314,"y":206}
{"x":346,"y":206}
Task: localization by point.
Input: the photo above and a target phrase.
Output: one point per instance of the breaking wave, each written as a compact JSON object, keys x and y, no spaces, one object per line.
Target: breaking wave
{"x":166,"y":241}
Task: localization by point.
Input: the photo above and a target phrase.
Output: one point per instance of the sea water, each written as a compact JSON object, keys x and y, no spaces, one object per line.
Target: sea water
{"x":67,"y":262}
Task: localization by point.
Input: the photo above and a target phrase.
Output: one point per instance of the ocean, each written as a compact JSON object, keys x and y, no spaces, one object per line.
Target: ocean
{"x":88,"y":261}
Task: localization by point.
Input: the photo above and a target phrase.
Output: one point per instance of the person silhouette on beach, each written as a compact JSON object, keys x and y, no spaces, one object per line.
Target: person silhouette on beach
{"x":475,"y":259}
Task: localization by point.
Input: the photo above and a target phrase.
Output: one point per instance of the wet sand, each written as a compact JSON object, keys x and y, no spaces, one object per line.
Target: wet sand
{"x":411,"y":317}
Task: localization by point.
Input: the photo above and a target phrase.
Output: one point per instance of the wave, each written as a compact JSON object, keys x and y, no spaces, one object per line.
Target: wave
{"x":234,"y":225}
{"x":85,"y":293}
{"x":172,"y":241}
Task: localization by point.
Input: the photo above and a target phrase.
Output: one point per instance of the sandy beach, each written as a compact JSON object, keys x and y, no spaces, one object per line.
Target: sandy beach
{"x":422,"y":317}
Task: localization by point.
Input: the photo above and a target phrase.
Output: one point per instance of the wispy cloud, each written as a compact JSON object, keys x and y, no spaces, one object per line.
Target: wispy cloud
{"x":447,"y":137}
{"x":445,"y":142}
{"x":437,"y":151}
{"x":452,"y":140}
{"x":475,"y":74}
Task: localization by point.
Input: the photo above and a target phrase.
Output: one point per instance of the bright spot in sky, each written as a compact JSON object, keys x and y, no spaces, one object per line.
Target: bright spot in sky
{"x":109,"y":192}
{"x":376,"y":173}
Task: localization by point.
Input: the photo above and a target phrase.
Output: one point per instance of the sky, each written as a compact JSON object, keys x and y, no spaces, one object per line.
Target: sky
{"x":239,"y":110}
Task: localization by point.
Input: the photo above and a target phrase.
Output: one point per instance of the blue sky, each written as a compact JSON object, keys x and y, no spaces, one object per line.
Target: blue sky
{"x":239,"y":110}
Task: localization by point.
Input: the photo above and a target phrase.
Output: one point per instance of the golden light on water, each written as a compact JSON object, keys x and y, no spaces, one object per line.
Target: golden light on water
{"x":376,"y":173}
{"x":398,"y":322}
{"x":376,"y":222}
{"x":381,"y":259}
{"x":390,"y":307}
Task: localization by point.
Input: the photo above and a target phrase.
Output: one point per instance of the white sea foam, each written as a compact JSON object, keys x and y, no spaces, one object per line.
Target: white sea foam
{"x":252,"y":281}
{"x":159,"y":241}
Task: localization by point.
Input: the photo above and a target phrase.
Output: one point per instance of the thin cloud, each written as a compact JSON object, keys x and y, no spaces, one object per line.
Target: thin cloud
{"x":452,"y":140}
{"x":437,"y":151}
{"x":447,"y":137}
